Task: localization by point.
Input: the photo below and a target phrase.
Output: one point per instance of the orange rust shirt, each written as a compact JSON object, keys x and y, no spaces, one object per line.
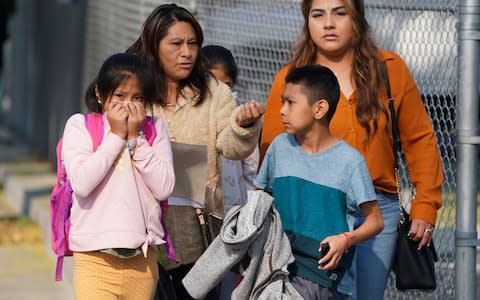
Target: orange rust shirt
{"x":416,"y":134}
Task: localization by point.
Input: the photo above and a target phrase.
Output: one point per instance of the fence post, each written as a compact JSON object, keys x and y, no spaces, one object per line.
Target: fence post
{"x":467,"y":138}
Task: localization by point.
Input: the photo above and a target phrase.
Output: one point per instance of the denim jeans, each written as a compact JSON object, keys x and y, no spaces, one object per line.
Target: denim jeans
{"x":374,"y":257}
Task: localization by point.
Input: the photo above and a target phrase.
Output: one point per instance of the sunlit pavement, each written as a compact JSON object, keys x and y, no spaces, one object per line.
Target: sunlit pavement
{"x":27,"y":269}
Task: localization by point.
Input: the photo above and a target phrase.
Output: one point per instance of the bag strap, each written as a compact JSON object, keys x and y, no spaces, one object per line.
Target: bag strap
{"x":397,"y":150}
{"x":94,"y":124}
{"x":149,"y":129}
{"x":396,"y":143}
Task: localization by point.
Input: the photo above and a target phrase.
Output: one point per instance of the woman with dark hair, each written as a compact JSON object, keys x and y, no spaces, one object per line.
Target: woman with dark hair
{"x":198,"y":110}
{"x":336,"y":34}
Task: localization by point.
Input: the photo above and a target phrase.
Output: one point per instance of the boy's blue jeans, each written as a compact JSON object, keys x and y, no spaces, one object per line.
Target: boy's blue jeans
{"x":374,"y":257}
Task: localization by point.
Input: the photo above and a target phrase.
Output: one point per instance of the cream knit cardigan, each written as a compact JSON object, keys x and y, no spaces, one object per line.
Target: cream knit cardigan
{"x":212,"y":123}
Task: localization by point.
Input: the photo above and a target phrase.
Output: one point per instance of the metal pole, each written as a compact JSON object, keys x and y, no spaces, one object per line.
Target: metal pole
{"x":467,"y":136}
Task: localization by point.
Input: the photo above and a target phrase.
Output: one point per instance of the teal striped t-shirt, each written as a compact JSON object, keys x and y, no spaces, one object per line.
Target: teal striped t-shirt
{"x":317,"y":195}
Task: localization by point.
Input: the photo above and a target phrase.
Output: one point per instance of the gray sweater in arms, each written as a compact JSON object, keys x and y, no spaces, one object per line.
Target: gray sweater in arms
{"x":254,"y":229}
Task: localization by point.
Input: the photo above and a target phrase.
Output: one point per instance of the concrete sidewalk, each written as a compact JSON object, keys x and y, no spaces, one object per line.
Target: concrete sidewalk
{"x":27,"y":271}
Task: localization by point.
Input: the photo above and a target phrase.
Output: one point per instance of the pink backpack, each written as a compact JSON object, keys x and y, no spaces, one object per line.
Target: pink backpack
{"x":61,"y":196}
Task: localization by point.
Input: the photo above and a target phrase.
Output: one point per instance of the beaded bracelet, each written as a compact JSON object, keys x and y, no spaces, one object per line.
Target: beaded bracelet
{"x":347,"y":237}
{"x":131,"y":145}
{"x":141,"y":134}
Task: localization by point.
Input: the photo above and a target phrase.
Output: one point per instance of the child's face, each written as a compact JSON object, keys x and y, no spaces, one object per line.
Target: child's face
{"x":127,"y":92}
{"x":219,"y":73}
{"x":298,"y":116}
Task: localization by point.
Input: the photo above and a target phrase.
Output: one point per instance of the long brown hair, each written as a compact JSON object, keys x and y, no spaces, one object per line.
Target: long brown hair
{"x":154,"y":29}
{"x":366,"y":69}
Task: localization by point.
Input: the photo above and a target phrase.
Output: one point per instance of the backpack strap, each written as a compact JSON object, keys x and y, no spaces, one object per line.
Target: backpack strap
{"x":149,"y":129}
{"x":94,"y":124}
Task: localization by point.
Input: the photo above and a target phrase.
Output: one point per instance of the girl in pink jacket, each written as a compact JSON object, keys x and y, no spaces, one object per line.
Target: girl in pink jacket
{"x":117,"y":189}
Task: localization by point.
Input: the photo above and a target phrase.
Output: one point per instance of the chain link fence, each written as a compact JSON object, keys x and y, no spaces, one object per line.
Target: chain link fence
{"x":260,"y":35}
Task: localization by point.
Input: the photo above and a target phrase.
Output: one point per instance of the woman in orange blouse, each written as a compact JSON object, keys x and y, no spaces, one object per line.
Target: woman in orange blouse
{"x":337,"y":35}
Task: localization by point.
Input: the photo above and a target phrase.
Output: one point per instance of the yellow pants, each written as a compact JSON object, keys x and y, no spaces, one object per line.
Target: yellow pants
{"x":102,"y":276}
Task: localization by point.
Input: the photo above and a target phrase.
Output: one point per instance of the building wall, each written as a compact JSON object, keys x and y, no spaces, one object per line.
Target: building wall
{"x":47,"y":46}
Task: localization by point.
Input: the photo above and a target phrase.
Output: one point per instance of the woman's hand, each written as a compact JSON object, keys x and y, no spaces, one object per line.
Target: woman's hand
{"x":338,"y":245}
{"x":249,"y":113}
{"x":136,"y":117}
{"x":117,"y":118}
{"x":422,"y":231}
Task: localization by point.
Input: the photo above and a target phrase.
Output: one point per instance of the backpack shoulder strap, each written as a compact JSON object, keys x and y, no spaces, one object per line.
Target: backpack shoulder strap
{"x":94,"y":124}
{"x":149,"y":129}
{"x":59,"y":158}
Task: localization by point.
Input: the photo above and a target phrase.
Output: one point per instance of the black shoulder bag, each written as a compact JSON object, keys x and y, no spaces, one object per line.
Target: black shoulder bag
{"x":414,"y":269}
